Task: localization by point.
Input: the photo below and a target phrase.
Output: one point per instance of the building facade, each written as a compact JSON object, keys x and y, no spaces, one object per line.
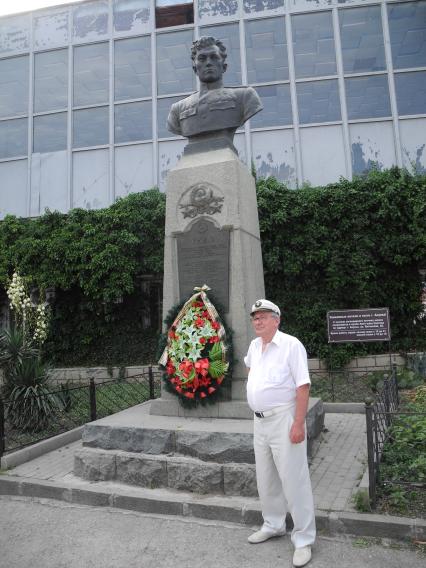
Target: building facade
{"x":85,"y":91}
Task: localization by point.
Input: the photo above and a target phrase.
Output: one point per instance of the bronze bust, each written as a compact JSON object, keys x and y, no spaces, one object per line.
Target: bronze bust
{"x":210,"y":117}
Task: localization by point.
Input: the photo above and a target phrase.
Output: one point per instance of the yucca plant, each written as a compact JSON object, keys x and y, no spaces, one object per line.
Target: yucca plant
{"x":30,"y":405}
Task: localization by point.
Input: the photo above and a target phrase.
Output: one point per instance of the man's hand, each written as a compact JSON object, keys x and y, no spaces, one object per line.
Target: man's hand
{"x":297,"y":433}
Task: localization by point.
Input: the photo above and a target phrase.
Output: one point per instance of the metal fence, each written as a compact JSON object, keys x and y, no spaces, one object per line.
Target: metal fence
{"x":346,"y":385}
{"x":383,"y":417}
{"x":72,"y":406}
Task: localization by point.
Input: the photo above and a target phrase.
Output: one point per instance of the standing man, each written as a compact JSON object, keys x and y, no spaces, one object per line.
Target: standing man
{"x":278,"y":393}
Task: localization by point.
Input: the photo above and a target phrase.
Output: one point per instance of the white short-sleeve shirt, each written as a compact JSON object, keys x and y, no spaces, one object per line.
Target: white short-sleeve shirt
{"x":276,"y":373}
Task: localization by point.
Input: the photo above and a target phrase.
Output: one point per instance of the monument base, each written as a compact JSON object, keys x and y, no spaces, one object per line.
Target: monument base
{"x":200,"y":455}
{"x":212,"y":237}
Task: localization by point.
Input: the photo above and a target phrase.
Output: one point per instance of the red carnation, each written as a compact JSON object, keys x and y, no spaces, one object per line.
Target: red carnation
{"x":189,"y":394}
{"x":214,"y":339}
{"x":199,"y":322}
{"x":202,"y":394}
{"x":210,"y":390}
{"x":203,"y":340}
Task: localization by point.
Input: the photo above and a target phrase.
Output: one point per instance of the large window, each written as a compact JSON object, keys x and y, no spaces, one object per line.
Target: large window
{"x":13,"y":138}
{"x":266,"y":49}
{"x":132,"y":64}
{"x":407,"y":26}
{"x":276,"y":111}
{"x":362,"y":40}
{"x":14,"y":76}
{"x":318,"y":101}
{"x":174,"y":68}
{"x":91,"y":74}
{"x":51,"y":80}
{"x":411,"y":93}
{"x":90,"y":127}
{"x":133,"y":121}
{"x":368,"y":97}
{"x":313,"y":45}
{"x":50,"y":132}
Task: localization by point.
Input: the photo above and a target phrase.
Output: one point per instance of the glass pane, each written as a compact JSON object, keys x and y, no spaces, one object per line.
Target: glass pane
{"x":14,"y":77}
{"x":133,"y":121}
{"x":163,"y":109}
{"x":367,"y":97}
{"x":13,"y":138}
{"x":411,"y":92}
{"x":251,"y":6}
{"x":91,"y":74}
{"x":362,"y":39}
{"x":90,"y":127}
{"x":174,"y":66}
{"x":313,"y":40}
{"x":318,"y":101}
{"x":132,"y":63}
{"x":266,"y":49}
{"x":407,"y":26}
{"x":51,"y":80}
{"x":50,"y":132}
{"x":131,"y":15}
{"x":220,"y":8}
{"x":276,"y":111}
{"x":230,"y":36}
{"x":90,"y":20}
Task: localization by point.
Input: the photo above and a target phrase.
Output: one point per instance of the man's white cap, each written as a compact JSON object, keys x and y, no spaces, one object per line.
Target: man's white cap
{"x":265,"y":306}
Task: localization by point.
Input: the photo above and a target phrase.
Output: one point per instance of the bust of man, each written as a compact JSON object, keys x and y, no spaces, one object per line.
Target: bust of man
{"x":210,"y":117}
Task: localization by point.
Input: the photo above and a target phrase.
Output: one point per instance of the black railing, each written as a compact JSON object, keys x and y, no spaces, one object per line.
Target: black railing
{"x":346,"y":385}
{"x":72,"y":406}
{"x":383,"y":415}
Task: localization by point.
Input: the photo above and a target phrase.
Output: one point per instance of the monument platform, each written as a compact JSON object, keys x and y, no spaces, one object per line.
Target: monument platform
{"x":201,"y":455}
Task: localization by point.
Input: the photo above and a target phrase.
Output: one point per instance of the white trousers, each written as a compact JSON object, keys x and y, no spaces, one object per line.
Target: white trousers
{"x":282,"y":474}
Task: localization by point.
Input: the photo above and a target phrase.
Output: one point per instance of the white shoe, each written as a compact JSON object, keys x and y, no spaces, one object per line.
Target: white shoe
{"x":302,"y":556}
{"x":261,"y":536}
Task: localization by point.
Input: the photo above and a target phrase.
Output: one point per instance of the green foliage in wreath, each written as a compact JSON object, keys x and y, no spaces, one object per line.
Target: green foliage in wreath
{"x":197,"y":354}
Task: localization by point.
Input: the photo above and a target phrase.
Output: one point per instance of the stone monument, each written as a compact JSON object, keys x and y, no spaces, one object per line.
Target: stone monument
{"x":212,"y":227}
{"x":212,"y":237}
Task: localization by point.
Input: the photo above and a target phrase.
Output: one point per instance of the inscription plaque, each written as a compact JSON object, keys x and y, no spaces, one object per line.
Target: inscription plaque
{"x":203,"y":258}
{"x":369,"y":324}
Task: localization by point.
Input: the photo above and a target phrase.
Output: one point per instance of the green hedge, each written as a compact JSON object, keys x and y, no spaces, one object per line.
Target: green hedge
{"x":348,"y":245}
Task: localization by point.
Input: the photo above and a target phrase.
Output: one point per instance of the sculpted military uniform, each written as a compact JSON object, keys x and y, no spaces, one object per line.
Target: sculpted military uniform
{"x":213,"y":110}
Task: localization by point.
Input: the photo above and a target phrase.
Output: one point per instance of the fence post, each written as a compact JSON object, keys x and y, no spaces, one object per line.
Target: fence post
{"x":151,"y":382}
{"x":2,"y":429}
{"x":386,"y":393}
{"x":92,"y":397}
{"x":370,"y":452}
{"x":395,"y":381}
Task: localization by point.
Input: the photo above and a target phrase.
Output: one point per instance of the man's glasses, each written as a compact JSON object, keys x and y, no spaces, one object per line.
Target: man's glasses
{"x":262,"y":317}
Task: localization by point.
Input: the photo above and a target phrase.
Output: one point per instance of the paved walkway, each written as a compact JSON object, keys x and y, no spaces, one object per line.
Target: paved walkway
{"x":336,"y":469}
{"x":53,"y":534}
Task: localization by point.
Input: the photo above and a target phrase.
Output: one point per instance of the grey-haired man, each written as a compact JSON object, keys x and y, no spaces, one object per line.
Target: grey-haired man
{"x":278,"y":393}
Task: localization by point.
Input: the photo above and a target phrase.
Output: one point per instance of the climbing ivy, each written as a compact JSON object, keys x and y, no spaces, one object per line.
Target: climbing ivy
{"x":351,"y":244}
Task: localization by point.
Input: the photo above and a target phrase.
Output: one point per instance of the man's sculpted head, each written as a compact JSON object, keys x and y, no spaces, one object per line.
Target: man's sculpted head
{"x":208,"y":59}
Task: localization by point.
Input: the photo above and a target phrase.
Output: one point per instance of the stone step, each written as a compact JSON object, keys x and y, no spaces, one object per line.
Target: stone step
{"x":176,"y":472}
{"x":207,"y":439}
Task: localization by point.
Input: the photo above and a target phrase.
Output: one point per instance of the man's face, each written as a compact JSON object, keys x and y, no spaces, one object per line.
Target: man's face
{"x":209,"y":65}
{"x":265,"y":324}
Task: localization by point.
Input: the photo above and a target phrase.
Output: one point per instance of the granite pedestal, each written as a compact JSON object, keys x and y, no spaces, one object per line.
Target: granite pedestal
{"x":201,"y":455}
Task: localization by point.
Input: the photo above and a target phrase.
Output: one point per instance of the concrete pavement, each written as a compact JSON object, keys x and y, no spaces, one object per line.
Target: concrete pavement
{"x":336,"y":472}
{"x":43,"y":533}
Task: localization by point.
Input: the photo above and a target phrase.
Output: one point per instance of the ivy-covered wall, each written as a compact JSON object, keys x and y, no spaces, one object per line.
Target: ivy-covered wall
{"x":348,"y":245}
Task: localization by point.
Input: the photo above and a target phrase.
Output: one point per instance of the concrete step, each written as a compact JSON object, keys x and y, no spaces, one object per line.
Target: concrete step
{"x":168,"y":471}
{"x":240,"y":510}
